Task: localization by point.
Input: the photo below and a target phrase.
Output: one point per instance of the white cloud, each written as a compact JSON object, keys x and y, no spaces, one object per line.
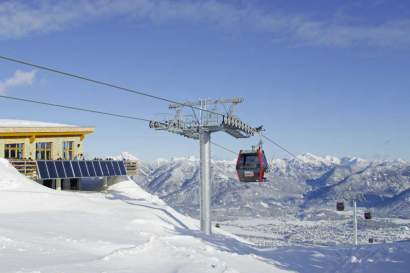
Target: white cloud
{"x":20,"y":78}
{"x":19,"y":19}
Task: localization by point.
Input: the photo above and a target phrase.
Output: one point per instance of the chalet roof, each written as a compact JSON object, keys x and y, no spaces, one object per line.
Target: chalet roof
{"x":30,"y":124}
{"x":21,"y":126}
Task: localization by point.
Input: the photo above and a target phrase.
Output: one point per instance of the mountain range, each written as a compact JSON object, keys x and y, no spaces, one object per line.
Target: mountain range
{"x":302,"y":187}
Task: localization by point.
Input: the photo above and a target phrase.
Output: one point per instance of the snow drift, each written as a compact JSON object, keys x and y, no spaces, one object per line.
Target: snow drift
{"x":123,"y":230}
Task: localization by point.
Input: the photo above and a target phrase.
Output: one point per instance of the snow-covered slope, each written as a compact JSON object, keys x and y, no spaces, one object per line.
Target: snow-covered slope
{"x":123,"y":230}
{"x":380,"y":258}
{"x":129,"y":230}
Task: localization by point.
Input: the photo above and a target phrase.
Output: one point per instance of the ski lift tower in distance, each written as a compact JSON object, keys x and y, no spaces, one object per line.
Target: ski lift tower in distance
{"x":202,"y":120}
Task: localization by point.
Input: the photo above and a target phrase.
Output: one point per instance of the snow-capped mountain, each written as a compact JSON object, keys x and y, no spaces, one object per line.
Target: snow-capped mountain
{"x":294,"y":186}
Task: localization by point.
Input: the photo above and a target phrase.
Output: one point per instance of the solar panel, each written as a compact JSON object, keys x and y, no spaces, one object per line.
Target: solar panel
{"x":42,"y":169}
{"x":76,"y":168}
{"x":51,"y":169}
{"x":116,"y":168}
{"x":83,"y":168}
{"x":110,"y":168}
{"x":68,"y":169}
{"x":90,"y":168}
{"x":60,"y":169}
{"x":97,"y":168}
{"x":122,"y":167}
{"x":104,"y":168}
{"x":122,"y":171}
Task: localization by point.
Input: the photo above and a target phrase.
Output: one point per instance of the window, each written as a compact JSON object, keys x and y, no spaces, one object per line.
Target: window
{"x":68,"y":150}
{"x":251,"y":160}
{"x":14,"y":151}
{"x":43,"y":150}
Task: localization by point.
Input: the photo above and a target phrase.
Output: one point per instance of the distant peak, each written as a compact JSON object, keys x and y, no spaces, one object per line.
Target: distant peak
{"x":126,"y":156}
{"x":353,"y":160}
{"x":190,"y":158}
{"x":315,"y":159}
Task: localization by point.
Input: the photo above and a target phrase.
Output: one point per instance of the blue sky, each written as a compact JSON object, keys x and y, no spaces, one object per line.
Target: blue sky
{"x":328,"y":77}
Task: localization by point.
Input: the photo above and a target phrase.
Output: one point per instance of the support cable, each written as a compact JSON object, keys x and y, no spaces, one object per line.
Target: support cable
{"x":224,"y":148}
{"x":125,"y":89}
{"x":73,"y":108}
{"x":267,"y":138}
{"x":278,"y":145}
{"x":126,"y":117}
{"x":91,"y":111}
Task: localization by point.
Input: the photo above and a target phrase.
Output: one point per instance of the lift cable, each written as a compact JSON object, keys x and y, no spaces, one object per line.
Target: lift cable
{"x":123,"y":116}
{"x":91,"y":111}
{"x":278,"y":145}
{"x":270,"y":140}
{"x":125,"y":89}
{"x":73,"y":108}
{"x":224,"y":148}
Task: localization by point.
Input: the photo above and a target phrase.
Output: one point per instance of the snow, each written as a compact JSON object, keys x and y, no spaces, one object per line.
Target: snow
{"x":126,"y":229}
{"x":377,"y":258}
{"x":126,"y":156}
{"x":29,"y":124}
{"x":122,"y":230}
{"x":293,"y":187}
{"x":190,"y":158}
{"x":11,"y":180}
{"x":317,"y":160}
{"x":354,"y":260}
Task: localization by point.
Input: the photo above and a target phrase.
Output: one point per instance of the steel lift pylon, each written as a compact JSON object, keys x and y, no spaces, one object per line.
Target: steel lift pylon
{"x":200,"y":125}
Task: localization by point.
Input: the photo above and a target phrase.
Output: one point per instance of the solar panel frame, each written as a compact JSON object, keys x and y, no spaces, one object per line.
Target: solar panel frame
{"x":110,"y":168}
{"x":68,"y":169}
{"x":83,"y":168}
{"x":104,"y":168}
{"x":121,"y":165}
{"x":42,"y":170}
{"x":60,"y":169}
{"x":76,"y":168}
{"x":90,"y":167}
{"x":97,"y":168}
{"x":116,"y":168}
{"x":52,"y":171}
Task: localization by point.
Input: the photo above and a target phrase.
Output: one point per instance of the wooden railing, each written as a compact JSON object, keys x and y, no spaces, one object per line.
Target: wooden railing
{"x":25,"y":167}
{"x":131,"y":167}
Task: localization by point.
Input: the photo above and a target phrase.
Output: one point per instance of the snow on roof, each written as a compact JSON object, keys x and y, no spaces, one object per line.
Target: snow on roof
{"x":30,"y":124}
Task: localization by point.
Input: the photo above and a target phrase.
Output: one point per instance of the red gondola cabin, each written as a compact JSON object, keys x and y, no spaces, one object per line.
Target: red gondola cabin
{"x":251,"y":165}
